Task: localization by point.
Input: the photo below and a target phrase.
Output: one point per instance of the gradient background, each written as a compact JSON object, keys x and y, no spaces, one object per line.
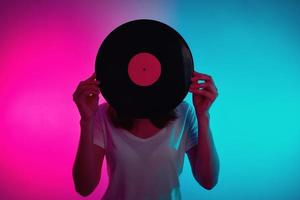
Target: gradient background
{"x":251,"y":48}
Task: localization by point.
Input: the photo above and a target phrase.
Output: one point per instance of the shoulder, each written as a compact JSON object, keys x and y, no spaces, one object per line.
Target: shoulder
{"x":102,"y":109}
{"x":184,"y":107}
{"x":103,"y":106}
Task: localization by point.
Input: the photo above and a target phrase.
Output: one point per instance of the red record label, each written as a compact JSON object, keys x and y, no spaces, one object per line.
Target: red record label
{"x":144,"y":69}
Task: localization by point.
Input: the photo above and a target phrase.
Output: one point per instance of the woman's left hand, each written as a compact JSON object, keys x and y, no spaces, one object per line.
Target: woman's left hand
{"x":204,"y":94}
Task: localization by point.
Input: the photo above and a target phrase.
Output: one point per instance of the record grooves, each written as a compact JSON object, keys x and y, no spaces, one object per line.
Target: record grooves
{"x":144,"y":67}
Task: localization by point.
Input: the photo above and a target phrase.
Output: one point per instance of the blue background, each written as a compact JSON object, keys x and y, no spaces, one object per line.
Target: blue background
{"x":252,"y":50}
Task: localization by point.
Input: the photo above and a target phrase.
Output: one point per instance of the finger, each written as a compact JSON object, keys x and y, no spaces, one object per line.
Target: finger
{"x":90,"y":91}
{"x":84,"y":88}
{"x":203,"y":93}
{"x":83,"y":93}
{"x":92,"y":77}
{"x":196,"y":85}
{"x":90,"y":82}
{"x":204,"y":86}
{"x":211,"y":82}
{"x":210,"y":87}
{"x":202,"y":76}
{"x":93,"y":94}
{"x":87,"y":86}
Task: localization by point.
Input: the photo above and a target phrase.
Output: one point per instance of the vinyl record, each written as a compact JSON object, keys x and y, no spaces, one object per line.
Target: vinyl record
{"x":144,"y":68}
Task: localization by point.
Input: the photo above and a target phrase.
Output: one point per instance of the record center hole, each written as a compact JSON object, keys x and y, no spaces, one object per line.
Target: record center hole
{"x":144,"y":69}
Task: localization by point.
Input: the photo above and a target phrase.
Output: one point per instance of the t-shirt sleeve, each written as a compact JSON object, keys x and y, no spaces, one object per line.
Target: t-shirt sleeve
{"x":97,"y":127}
{"x":192,"y":127}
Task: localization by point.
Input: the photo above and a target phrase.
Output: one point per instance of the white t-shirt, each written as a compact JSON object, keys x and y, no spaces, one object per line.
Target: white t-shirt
{"x":145,"y":169}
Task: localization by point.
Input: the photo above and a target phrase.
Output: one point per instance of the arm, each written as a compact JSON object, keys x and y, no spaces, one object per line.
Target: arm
{"x":88,"y":162}
{"x":203,"y":157}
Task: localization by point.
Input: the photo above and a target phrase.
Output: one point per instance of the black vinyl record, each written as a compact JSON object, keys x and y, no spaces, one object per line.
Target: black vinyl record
{"x":144,"y":68}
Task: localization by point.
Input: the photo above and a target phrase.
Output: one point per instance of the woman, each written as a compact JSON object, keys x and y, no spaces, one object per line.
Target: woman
{"x":144,"y":156}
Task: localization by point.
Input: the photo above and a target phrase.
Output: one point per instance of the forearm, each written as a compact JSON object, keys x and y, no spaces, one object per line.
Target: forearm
{"x":207,"y":161}
{"x":84,"y":168}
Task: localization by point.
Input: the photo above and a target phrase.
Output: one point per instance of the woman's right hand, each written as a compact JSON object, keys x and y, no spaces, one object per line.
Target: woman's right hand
{"x":86,"y":97}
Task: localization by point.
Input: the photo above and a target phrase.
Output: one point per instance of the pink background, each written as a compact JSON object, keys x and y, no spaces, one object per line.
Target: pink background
{"x":46,"y":49}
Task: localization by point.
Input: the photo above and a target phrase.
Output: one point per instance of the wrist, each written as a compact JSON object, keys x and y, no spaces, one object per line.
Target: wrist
{"x":202,"y":114}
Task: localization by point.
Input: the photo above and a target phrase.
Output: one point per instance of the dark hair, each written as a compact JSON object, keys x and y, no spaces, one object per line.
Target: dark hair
{"x":127,"y":122}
